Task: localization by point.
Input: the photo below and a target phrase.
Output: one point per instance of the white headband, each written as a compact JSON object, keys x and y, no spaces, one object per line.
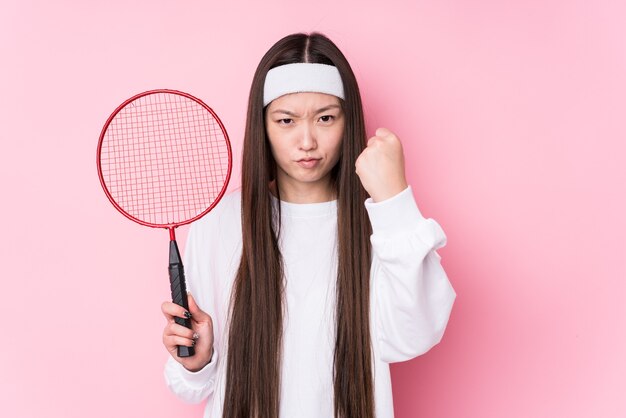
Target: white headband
{"x":302,"y":77}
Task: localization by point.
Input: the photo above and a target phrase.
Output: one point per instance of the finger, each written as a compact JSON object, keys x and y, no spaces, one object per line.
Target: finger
{"x":171,"y":341}
{"x":174,"y":329}
{"x":359,"y":161}
{"x":171,"y":310}
{"x":383,"y":132}
{"x":196,"y":313}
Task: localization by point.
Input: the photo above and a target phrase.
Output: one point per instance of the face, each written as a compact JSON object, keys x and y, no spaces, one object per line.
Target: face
{"x":305,"y":132}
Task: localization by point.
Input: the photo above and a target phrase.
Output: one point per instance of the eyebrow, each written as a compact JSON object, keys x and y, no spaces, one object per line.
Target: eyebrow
{"x":318,"y":111}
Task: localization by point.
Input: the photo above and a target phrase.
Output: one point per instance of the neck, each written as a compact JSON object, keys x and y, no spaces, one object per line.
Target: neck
{"x":304,"y":193}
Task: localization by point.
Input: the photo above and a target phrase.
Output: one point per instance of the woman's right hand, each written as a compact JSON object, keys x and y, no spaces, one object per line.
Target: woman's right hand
{"x":201,"y":333}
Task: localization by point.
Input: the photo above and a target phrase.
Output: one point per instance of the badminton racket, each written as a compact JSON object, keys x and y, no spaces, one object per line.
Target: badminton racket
{"x":164,"y":160}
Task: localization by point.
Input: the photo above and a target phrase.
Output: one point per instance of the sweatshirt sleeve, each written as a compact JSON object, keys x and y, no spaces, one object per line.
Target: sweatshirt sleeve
{"x":193,"y":387}
{"x":412,"y":296}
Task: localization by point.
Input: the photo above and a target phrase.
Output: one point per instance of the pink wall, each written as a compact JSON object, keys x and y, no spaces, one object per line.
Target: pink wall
{"x":512,"y":115}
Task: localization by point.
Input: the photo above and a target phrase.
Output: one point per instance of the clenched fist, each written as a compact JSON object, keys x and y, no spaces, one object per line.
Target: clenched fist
{"x":381,"y":166}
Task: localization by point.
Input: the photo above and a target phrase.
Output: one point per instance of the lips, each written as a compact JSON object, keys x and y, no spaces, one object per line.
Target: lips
{"x":308,"y":162}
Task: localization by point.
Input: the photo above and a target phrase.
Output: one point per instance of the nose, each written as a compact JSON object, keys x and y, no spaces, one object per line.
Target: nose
{"x":308,"y":141}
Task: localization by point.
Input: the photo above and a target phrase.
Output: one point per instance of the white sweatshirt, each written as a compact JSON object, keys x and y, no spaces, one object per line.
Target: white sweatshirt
{"x":411,"y":298}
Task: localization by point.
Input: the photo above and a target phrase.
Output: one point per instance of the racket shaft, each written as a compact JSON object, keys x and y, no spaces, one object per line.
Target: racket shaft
{"x":179,"y":293}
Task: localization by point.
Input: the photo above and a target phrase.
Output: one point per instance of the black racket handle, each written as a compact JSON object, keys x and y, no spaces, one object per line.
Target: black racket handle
{"x":179,"y":293}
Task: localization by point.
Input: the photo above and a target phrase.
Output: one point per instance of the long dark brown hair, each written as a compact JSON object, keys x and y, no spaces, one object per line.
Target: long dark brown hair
{"x":256,"y":315}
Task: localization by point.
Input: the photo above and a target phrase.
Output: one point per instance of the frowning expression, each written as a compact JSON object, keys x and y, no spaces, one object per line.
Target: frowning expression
{"x":305,"y":131}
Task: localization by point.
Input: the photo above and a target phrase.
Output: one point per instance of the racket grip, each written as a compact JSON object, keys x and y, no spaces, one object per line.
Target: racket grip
{"x":179,"y":293}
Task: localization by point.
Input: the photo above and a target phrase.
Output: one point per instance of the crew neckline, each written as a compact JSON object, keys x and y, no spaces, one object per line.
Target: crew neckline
{"x":306,"y":210}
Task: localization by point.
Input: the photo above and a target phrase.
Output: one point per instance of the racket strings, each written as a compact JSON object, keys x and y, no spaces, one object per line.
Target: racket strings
{"x":164,"y":158}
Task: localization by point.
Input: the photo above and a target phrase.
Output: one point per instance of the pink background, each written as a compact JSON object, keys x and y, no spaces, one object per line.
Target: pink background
{"x":513,"y":119}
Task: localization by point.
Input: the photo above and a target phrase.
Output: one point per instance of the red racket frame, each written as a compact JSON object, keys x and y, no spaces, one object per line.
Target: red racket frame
{"x":171,"y":226}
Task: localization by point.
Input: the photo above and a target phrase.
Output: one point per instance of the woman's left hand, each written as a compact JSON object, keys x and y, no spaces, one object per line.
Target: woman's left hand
{"x":381,"y":166}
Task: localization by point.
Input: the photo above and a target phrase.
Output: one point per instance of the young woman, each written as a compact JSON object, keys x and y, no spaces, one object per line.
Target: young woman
{"x":305,"y":288}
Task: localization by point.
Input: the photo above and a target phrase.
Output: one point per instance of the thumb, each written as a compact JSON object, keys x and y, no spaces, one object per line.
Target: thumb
{"x":196,"y":313}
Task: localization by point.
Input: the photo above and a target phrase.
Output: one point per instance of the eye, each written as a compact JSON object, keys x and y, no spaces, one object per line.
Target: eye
{"x":327,"y":118}
{"x":285,"y":121}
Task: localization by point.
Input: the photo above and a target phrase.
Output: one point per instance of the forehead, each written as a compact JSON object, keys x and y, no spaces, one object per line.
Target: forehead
{"x":308,"y":101}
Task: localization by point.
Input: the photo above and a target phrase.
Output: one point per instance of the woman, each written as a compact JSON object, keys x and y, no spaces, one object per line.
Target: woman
{"x":304,"y":293}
